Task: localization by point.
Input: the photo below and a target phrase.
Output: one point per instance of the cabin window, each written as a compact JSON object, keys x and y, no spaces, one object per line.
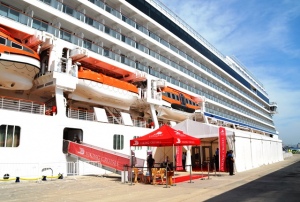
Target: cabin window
{"x":68,"y":10}
{"x":16,"y":45}
{"x":139,"y":147}
{"x":9,"y":136}
{"x":118,"y":142}
{"x":47,"y":1}
{"x":87,"y":44}
{"x":89,"y":21}
{"x":2,"y":41}
{"x":13,"y":15}
{"x":65,"y":35}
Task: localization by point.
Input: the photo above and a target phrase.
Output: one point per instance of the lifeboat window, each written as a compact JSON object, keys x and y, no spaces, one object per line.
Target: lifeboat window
{"x":2,"y":41}
{"x":28,"y":50}
{"x":9,"y":136}
{"x":175,"y":97}
{"x":118,"y":143}
{"x":16,"y":45}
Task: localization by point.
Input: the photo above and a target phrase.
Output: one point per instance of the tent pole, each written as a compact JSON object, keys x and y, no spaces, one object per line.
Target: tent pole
{"x":173,"y":167}
{"x":201,"y":162}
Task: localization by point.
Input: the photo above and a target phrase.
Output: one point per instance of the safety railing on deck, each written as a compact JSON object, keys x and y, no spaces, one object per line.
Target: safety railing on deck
{"x":22,"y":105}
{"x":40,"y":108}
{"x":81,"y":114}
{"x":90,"y":116}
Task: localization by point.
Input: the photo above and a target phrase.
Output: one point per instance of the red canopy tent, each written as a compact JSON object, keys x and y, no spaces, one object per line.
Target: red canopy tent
{"x":165,"y":136}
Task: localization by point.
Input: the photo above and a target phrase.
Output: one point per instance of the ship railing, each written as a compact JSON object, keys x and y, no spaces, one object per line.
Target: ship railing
{"x":139,"y":123}
{"x":115,"y":120}
{"x":81,"y":114}
{"x":21,"y":105}
{"x":90,"y":116}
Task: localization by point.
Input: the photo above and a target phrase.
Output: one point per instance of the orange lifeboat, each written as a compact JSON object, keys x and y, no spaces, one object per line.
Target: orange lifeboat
{"x":110,"y":81}
{"x":179,"y":100}
{"x":18,"y":63}
{"x":100,"y":89}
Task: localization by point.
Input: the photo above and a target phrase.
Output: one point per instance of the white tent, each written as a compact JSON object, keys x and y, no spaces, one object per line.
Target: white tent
{"x":250,"y":150}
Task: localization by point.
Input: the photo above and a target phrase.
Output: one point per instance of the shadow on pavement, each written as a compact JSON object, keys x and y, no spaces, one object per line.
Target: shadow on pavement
{"x":281,"y":185}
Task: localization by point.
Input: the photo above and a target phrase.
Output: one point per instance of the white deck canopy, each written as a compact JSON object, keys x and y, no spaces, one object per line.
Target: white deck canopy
{"x":250,"y":150}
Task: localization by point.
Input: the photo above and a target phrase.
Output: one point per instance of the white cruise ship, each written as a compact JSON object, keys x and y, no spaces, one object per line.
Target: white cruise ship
{"x":108,"y":71}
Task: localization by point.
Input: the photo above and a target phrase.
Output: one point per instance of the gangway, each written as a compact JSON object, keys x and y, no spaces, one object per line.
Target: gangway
{"x":108,"y":160}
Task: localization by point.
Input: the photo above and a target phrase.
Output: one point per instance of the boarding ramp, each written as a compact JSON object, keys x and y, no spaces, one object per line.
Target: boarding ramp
{"x":108,"y":160}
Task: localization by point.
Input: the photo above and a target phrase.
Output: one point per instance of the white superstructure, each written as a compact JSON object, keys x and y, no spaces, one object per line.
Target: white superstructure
{"x":137,"y":42}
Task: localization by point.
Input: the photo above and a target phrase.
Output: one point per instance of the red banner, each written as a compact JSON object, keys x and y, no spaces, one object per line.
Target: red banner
{"x":106,"y":158}
{"x":222,"y":149}
{"x":179,"y":158}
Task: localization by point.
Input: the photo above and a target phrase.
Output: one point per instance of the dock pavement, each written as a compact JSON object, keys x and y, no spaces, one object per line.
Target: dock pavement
{"x":275,"y":182}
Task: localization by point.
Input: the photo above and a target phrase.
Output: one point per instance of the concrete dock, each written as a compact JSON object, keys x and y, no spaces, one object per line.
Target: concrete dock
{"x":276,"y":182}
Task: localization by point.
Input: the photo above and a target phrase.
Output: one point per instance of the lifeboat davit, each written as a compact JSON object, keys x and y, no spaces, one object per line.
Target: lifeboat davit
{"x":18,"y":63}
{"x":98,"y":88}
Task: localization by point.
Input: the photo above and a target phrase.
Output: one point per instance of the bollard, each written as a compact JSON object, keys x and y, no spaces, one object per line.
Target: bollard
{"x":190,"y":174}
{"x":208,"y":171}
{"x":167,"y":177}
{"x":60,"y":176}
{"x":6,"y":176}
{"x":202,"y":178}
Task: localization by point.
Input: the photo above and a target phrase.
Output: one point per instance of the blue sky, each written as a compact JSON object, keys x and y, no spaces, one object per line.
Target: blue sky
{"x":265,"y":36}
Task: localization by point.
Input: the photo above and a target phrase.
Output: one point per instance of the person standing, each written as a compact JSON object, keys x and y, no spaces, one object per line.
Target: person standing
{"x":230,"y":162}
{"x":217,"y":159}
{"x":150,"y":165}
{"x":183,"y":160}
{"x":77,"y":139}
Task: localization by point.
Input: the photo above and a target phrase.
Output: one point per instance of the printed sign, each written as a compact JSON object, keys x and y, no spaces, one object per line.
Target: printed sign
{"x":222,"y":148}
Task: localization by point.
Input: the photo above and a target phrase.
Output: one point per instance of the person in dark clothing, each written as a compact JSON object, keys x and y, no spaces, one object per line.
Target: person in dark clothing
{"x":77,"y":139}
{"x":183,"y":160}
{"x":230,"y":162}
{"x":227,"y":162}
{"x":150,"y":165}
{"x":217,"y":159}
